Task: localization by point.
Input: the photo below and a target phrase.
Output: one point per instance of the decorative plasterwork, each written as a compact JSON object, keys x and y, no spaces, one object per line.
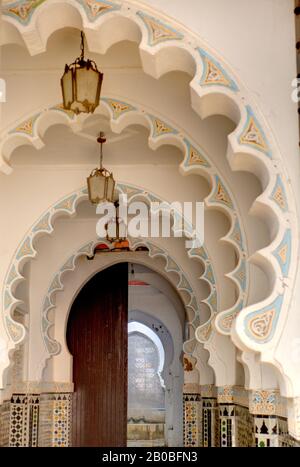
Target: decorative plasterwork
{"x":118,"y":107}
{"x":251,"y":145}
{"x":262,"y":323}
{"x":195,"y":161}
{"x":96,"y":8}
{"x":226,"y":320}
{"x":236,"y":234}
{"x":182,"y":283}
{"x":283,"y":253}
{"x":253,"y":134}
{"x":67,"y":206}
{"x":263,"y":402}
{"x":61,"y":108}
{"x":154,"y":250}
{"x":195,"y":157}
{"x":158,"y":31}
{"x":208,"y":391}
{"x":203,"y":332}
{"x":259,"y":402}
{"x":220,"y":194}
{"x":214,"y":73}
{"x":160,"y":128}
{"x":225,"y":395}
{"x":278,"y":195}
{"x":21,"y":10}
{"x":240,"y":276}
{"x":26,"y":127}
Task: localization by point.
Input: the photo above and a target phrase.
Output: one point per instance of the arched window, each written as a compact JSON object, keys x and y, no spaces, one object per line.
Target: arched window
{"x":146,"y":394}
{"x":145,"y":363}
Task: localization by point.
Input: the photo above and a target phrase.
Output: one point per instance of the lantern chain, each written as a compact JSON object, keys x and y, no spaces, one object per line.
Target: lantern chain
{"x":101,"y":140}
{"x":82,"y":46}
{"x":101,"y":156}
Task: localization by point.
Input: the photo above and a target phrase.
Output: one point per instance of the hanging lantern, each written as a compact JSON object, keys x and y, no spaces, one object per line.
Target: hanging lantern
{"x":101,"y":183}
{"x":81,"y":84}
{"x":116,"y":229}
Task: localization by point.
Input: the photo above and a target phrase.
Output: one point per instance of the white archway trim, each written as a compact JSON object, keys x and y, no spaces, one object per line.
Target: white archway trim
{"x":56,"y":347}
{"x":123,"y":114}
{"x":252,"y":146}
{"x":72,"y":287}
{"x":181,"y":284}
{"x":172,"y":266}
{"x":45,"y":225}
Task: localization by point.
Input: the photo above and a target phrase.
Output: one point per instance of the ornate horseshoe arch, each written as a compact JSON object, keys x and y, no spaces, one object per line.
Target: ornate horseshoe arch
{"x":214,"y":89}
{"x":122,"y":114}
{"x":181,"y":284}
{"x":68,"y":206}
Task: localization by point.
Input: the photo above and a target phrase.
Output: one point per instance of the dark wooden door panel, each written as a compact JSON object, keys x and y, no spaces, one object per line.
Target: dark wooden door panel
{"x":97,"y":338}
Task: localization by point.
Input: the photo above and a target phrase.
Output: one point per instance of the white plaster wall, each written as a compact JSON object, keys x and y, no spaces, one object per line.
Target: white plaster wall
{"x":124,"y":78}
{"x":260,"y":57}
{"x":257,"y":39}
{"x":53,"y":252}
{"x":54,"y":181}
{"x":19,"y":215}
{"x":169,"y":96}
{"x":41,"y":186}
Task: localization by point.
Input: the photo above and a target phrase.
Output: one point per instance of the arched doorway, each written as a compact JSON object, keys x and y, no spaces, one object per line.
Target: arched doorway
{"x":97,"y":339}
{"x":98,"y":331}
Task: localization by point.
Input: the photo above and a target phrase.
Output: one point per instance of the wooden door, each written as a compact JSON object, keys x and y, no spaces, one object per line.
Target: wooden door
{"x":97,"y":338}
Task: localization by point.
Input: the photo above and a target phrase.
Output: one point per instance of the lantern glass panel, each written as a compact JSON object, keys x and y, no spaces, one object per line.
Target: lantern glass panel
{"x":110,"y":188}
{"x":87,"y":88}
{"x":67,"y":87}
{"x":97,"y":188}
